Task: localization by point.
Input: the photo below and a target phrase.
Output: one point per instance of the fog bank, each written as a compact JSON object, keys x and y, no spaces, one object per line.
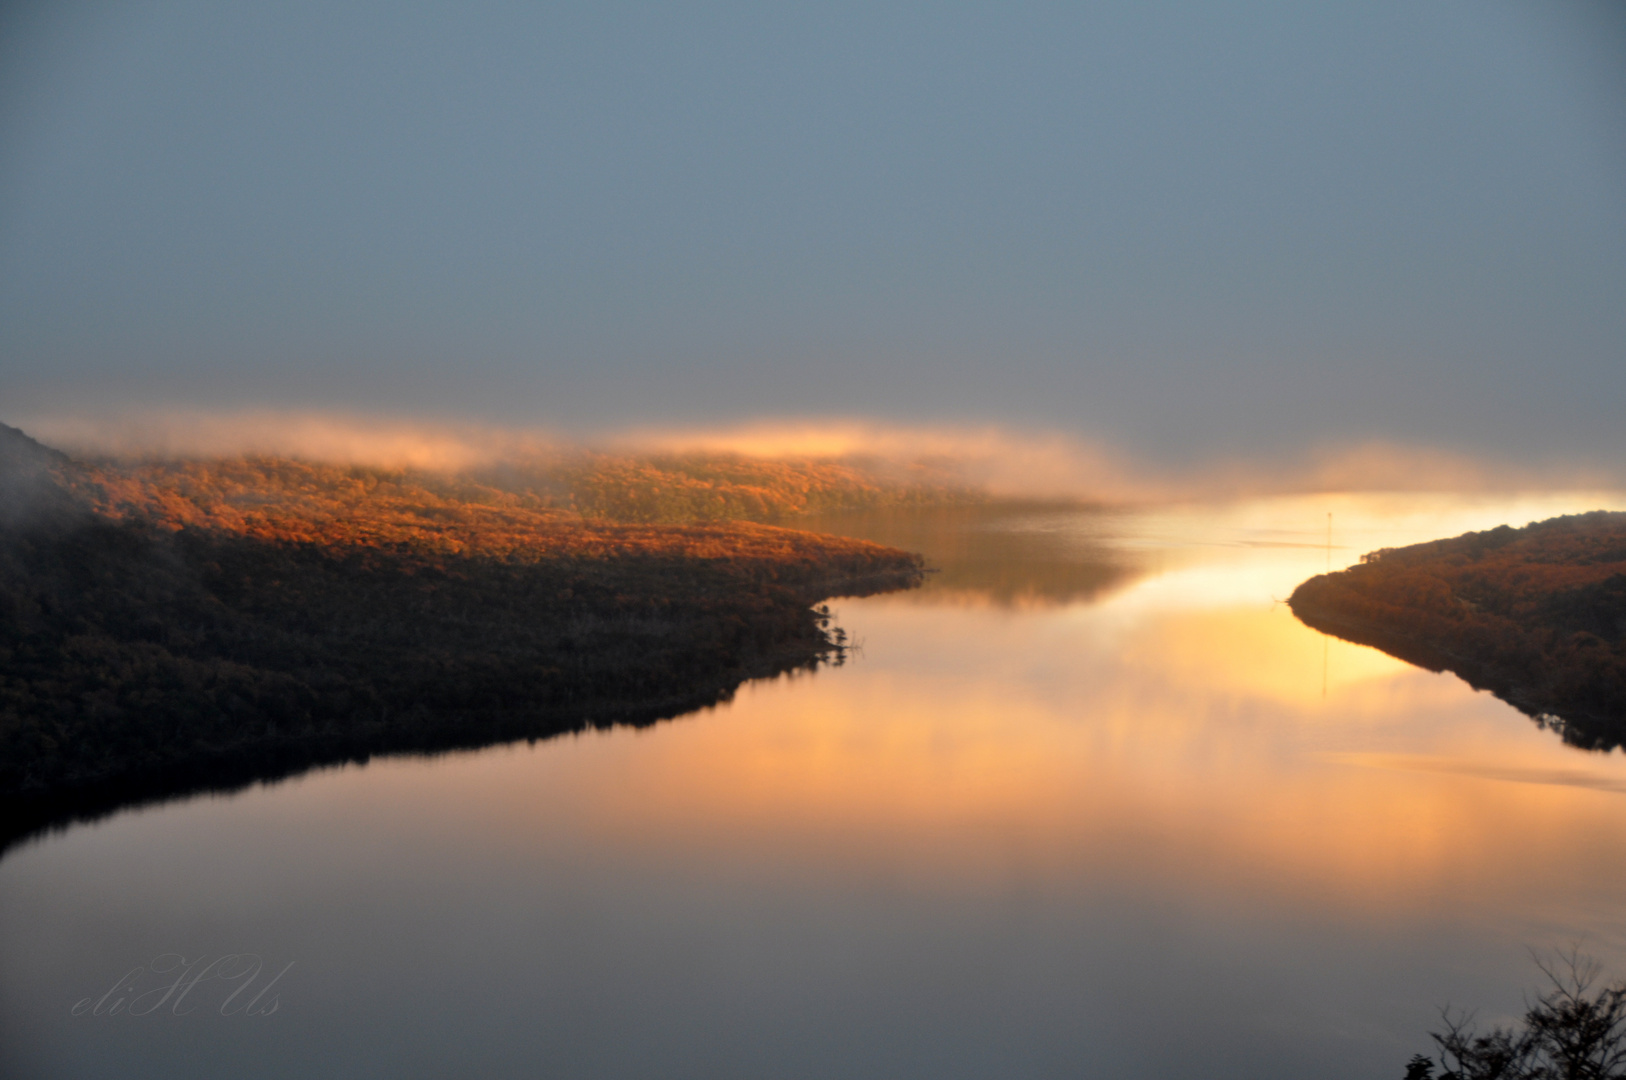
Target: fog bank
{"x":1002,"y":461}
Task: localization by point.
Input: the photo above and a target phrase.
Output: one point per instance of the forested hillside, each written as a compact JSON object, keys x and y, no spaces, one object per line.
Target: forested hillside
{"x":169,"y":627}
{"x":1537,"y":615}
{"x":491,"y":505}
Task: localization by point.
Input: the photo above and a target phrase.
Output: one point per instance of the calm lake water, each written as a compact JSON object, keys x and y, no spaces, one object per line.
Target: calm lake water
{"x":1092,"y":803}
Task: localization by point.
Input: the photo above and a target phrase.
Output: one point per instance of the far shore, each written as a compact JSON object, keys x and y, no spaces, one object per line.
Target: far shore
{"x":1535,"y":615}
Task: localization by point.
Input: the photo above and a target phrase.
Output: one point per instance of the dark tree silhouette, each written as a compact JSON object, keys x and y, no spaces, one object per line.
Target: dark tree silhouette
{"x":1576,"y":1030}
{"x":157,"y":638}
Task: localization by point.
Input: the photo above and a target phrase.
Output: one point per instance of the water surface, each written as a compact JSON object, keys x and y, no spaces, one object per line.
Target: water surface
{"x":1091,"y":803}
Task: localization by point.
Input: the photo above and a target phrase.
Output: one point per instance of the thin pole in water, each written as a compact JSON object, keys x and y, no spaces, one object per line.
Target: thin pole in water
{"x":1326,"y":642}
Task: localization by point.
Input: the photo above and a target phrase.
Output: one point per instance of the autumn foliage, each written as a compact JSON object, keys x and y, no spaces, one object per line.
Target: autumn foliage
{"x":170,"y":626}
{"x":494,"y":510}
{"x":1536,"y":615}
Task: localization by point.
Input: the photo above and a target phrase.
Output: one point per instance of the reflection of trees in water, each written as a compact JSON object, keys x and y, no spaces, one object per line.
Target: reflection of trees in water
{"x":1536,"y":615}
{"x":142,"y":665}
{"x":145,"y":657}
{"x":1007,"y":553}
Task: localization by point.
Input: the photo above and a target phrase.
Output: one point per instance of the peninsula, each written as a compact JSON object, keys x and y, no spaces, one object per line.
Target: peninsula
{"x":1535,"y":615}
{"x":171,"y":627}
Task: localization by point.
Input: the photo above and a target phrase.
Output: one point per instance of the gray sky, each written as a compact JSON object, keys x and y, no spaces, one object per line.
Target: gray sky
{"x":1185,"y":229}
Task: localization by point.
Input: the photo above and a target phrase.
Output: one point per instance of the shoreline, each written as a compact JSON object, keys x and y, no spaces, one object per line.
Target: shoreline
{"x":1536,"y":616}
{"x":143,"y":659}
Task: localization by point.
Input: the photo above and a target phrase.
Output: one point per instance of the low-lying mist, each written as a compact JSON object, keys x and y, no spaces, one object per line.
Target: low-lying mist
{"x":997,"y":461}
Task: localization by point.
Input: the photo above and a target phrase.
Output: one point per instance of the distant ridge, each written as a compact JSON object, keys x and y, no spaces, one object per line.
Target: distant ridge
{"x":17,"y":449}
{"x":23,"y":456}
{"x":31,"y":475}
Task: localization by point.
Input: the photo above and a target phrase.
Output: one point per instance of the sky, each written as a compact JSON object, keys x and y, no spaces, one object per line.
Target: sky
{"x":1183,"y":231}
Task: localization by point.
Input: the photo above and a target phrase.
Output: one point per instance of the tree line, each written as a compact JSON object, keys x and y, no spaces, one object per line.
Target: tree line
{"x":1536,"y":615}
{"x":145,"y":654}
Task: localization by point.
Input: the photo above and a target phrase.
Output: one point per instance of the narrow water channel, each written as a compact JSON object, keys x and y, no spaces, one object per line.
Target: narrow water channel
{"x":1091,"y":803}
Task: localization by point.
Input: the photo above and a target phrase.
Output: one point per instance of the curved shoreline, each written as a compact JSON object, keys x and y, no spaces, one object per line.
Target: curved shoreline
{"x":141,"y":660}
{"x":1536,"y":616}
{"x":665,"y":666}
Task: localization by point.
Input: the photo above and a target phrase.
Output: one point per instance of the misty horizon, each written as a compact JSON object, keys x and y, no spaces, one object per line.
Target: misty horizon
{"x":1001,"y":461}
{"x":1183,"y":235}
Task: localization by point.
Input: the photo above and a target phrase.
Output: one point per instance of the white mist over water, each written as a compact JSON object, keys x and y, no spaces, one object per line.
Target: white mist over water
{"x":1000,"y":460}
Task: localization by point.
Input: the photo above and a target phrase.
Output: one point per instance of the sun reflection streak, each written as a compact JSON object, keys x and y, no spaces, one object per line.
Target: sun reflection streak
{"x":1136,"y":744}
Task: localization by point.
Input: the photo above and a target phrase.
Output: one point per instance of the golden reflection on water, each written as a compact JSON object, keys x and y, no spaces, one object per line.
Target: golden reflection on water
{"x":1184,"y":733}
{"x":1032,"y":814}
